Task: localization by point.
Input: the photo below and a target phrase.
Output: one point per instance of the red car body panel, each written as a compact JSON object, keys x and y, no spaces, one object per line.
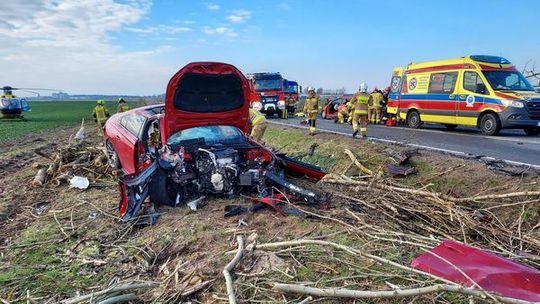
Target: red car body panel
{"x":176,"y":120}
{"x":124,"y":142}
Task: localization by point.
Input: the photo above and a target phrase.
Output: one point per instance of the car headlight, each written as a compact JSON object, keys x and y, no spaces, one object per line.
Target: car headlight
{"x":513,"y":103}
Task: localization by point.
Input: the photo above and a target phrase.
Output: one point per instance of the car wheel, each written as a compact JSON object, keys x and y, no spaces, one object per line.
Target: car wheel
{"x":532,"y":131}
{"x":114,"y":161}
{"x":490,"y":124}
{"x":160,"y":190}
{"x":450,"y":127}
{"x":413,"y":119}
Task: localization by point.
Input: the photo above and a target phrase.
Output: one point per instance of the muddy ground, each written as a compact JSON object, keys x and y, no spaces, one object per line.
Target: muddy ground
{"x":58,"y":243}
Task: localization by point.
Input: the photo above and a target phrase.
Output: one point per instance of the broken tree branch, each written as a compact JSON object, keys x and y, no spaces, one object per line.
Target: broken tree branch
{"x":227,"y":270}
{"x":111,"y":290}
{"x":357,"y":163}
{"x":397,"y":293}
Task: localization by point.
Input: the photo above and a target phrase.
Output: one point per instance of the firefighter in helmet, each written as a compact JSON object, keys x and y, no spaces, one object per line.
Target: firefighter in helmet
{"x":122,"y":105}
{"x":343,"y":112}
{"x":360,"y":111}
{"x":258,"y":124}
{"x":311,"y":109}
{"x":375,"y":105}
{"x":100,"y":114}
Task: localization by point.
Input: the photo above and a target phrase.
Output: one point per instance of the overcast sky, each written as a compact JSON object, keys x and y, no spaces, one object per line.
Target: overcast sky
{"x":135,"y":46}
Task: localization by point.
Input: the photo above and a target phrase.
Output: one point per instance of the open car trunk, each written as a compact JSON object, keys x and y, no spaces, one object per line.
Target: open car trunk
{"x":206,"y":93}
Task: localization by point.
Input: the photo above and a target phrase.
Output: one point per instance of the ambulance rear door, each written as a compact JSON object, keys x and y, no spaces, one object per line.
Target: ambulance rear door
{"x":395,"y":91}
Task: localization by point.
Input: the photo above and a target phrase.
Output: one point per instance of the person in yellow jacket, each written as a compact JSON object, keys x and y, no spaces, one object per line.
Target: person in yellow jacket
{"x":311,"y":109}
{"x":122,"y":106}
{"x":258,"y":124}
{"x":100,"y":114}
{"x":375,"y":105}
{"x":344,"y":111}
{"x":360,"y":112}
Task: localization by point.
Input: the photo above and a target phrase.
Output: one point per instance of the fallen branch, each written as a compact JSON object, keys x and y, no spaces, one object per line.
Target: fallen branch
{"x":357,"y":163}
{"x":110,"y":290}
{"x":40,"y":177}
{"x":119,"y":299}
{"x":397,"y":293}
{"x":227,"y":270}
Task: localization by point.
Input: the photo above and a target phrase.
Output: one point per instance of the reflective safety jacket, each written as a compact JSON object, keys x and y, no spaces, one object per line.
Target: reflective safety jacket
{"x":256,"y":117}
{"x":360,"y":103}
{"x":312,"y":105}
{"x":375,"y":99}
{"x":343,"y":109}
{"x":122,"y":107}
{"x":100,"y":113}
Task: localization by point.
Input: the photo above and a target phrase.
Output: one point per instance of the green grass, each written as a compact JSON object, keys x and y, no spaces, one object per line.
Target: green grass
{"x":48,"y":115}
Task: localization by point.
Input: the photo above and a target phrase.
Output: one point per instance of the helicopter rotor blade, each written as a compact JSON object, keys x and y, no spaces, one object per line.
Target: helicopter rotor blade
{"x":37,"y":89}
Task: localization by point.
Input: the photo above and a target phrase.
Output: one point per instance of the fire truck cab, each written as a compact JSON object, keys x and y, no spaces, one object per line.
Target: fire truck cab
{"x":270,"y":90}
{"x":478,"y":90}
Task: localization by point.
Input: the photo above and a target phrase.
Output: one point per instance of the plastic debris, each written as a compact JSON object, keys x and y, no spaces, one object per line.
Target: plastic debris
{"x":400,"y":170}
{"x":79,"y":182}
{"x":92,"y":215}
{"x":195,"y":204}
{"x":491,"y":272}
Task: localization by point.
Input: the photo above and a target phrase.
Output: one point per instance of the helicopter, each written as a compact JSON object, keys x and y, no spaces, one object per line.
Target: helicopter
{"x":11,"y":106}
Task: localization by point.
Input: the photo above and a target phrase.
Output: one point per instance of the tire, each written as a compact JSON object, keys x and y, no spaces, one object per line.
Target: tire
{"x":450,"y":127}
{"x":490,"y":124}
{"x":114,"y":160}
{"x":160,"y":191}
{"x":532,"y":131}
{"x":413,"y":120}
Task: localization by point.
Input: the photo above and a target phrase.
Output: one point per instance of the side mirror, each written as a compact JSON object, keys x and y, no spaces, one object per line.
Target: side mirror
{"x":480,"y":88}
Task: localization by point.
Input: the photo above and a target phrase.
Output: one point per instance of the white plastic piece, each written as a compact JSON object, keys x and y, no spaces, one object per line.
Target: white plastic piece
{"x":79,"y":182}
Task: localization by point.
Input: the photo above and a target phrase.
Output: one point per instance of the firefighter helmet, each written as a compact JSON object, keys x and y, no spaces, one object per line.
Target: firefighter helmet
{"x":363,"y":87}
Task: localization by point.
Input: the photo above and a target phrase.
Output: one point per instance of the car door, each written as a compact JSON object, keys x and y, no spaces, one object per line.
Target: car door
{"x":441,"y":103}
{"x":472,"y":94}
{"x":127,"y":140}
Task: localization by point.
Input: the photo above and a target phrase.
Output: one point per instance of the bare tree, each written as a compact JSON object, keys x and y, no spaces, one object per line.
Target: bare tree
{"x":531,"y":72}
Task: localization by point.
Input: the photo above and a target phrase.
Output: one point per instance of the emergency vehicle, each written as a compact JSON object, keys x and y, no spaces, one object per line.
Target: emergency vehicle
{"x":478,"y":90}
{"x":269,"y":87}
{"x":291,"y":91}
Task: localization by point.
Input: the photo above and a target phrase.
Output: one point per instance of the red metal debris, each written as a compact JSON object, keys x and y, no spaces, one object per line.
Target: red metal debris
{"x":491,"y":272}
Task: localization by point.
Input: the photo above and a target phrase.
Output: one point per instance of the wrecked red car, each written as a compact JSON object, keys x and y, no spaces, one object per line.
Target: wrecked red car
{"x":196,"y":145}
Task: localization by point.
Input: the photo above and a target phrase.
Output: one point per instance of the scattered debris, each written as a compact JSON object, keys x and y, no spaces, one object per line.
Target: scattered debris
{"x":92,"y":215}
{"x":475,"y":268}
{"x":79,"y":182}
{"x":196,"y":203}
{"x":395,"y":170}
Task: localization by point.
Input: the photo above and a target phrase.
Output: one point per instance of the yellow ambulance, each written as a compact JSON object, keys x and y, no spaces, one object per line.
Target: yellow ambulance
{"x":478,"y":90}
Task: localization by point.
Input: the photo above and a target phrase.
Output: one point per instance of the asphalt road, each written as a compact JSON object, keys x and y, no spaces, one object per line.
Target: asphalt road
{"x":512,"y":146}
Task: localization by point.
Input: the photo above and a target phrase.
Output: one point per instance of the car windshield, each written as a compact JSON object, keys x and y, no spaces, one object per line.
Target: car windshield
{"x":268,"y":85}
{"x":507,"y":80}
{"x":291,"y":89}
{"x":212,"y":135}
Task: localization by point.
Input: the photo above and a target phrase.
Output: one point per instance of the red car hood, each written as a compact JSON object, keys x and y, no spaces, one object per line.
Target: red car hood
{"x":206,"y":93}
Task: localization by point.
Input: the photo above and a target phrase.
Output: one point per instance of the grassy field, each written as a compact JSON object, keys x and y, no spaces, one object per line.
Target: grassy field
{"x":48,"y":115}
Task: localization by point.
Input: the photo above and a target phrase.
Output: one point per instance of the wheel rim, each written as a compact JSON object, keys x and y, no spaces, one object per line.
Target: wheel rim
{"x":488,"y":124}
{"x":414,"y":119}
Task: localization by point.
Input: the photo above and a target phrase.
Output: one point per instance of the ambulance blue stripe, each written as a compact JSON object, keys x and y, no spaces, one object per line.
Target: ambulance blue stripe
{"x":444,"y":97}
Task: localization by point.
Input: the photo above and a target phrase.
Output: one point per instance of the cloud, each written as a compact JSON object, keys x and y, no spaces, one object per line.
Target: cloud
{"x":165,"y":29}
{"x":222,"y":30}
{"x":239,"y":16}
{"x":69,"y":45}
{"x":213,"y":7}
